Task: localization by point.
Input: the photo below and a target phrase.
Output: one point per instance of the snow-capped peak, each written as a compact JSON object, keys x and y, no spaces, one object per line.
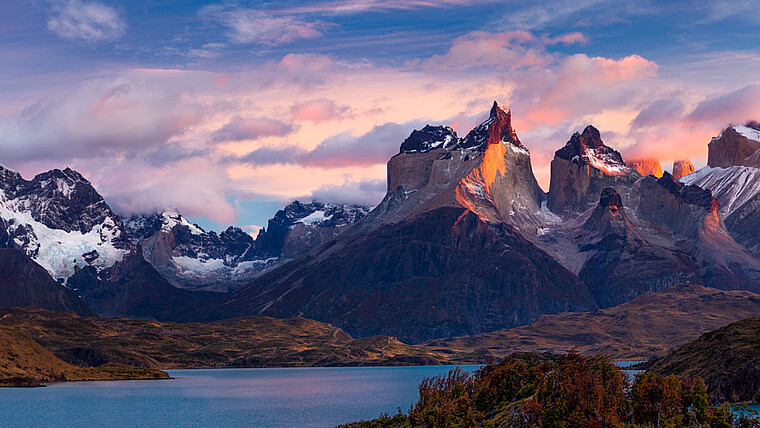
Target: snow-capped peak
{"x":429,"y":138}
{"x":587,"y":148}
{"x":60,"y":221}
{"x":171,"y":218}
{"x":748,"y":132}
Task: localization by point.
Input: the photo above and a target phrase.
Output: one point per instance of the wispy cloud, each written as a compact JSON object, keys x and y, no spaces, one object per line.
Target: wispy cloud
{"x":250,"y":26}
{"x":719,"y":10}
{"x":363,"y":192}
{"x":241,"y":129}
{"x":343,"y":150}
{"x":86,"y":21}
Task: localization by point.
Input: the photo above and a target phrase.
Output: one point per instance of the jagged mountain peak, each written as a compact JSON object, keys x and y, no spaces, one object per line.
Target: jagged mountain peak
{"x":60,"y":221}
{"x":488,"y":172}
{"x":581,"y":169}
{"x":587,"y":148}
{"x":496,"y":129}
{"x":429,"y":138}
{"x":141,"y":226}
{"x":172,"y":218}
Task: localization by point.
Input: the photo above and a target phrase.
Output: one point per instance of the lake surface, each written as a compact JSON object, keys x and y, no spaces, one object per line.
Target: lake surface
{"x":286,"y":397}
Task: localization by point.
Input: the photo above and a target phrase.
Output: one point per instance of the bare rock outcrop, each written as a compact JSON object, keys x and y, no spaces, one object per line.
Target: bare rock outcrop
{"x":582,"y":169}
{"x":735,"y":146}
{"x":646,"y":167}
{"x":682,"y":168}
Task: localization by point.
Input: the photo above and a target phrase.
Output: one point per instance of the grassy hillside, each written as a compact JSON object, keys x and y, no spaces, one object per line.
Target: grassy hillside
{"x":242,"y":342}
{"x":647,"y":326}
{"x":23,"y":362}
{"x":728,"y":359}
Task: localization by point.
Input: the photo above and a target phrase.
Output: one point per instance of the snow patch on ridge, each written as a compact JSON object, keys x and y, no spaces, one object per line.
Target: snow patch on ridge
{"x":746,"y":131}
{"x":732,"y":186}
{"x":56,"y":250}
{"x":315,"y":218}
{"x":605,"y":163}
{"x":171,"y":218}
{"x":205,"y":269}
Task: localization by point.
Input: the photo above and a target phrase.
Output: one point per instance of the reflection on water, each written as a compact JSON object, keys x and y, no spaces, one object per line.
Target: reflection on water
{"x":295,"y":397}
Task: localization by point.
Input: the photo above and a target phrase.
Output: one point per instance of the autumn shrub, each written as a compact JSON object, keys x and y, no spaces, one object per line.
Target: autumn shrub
{"x":539,"y":390}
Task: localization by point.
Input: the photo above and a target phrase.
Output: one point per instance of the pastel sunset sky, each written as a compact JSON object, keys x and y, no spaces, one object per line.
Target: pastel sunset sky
{"x":228,"y":110}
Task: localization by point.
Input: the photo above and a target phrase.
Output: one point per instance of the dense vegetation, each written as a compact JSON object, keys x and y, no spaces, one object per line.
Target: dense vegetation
{"x":531,"y":390}
{"x":728,"y":359}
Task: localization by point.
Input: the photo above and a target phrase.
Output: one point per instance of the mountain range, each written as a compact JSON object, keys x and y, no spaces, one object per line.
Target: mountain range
{"x":464,"y":242}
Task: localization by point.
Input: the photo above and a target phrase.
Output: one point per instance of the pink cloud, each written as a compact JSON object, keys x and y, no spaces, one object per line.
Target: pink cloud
{"x":566,"y":39}
{"x":581,"y":85}
{"x":737,"y":106}
{"x":667,"y":130}
{"x":319,"y":110}
{"x":511,"y":50}
{"x":306,"y":62}
{"x":240,"y":129}
{"x":102,"y":116}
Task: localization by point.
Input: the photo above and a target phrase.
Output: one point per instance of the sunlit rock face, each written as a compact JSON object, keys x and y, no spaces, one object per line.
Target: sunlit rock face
{"x":646,"y":167}
{"x":735,"y":146}
{"x":582,"y":169}
{"x":502,"y":187}
{"x":488,"y":172}
{"x":682,"y":168}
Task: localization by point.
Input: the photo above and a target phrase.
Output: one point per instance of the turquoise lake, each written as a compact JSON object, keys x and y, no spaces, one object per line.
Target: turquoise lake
{"x":286,"y":397}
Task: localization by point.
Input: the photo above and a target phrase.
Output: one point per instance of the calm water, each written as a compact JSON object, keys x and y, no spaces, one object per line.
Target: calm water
{"x":295,"y":397}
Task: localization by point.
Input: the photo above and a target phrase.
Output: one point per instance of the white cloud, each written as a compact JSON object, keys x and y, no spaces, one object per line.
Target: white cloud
{"x":86,"y":21}
{"x":249,"y":26}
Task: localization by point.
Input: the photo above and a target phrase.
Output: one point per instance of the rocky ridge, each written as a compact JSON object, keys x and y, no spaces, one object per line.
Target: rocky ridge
{"x":190,"y":257}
